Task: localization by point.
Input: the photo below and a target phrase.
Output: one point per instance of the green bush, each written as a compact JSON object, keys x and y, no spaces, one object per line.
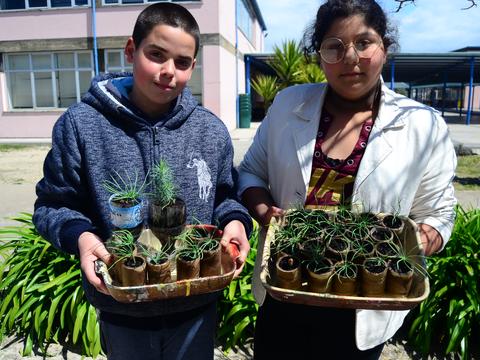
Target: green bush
{"x":237,"y":311}
{"x":41,"y":294}
{"x":450,"y":316}
{"x":42,"y":299}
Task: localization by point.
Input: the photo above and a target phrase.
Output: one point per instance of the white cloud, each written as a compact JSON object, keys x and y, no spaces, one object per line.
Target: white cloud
{"x":429,"y":26}
{"x":438,"y":26}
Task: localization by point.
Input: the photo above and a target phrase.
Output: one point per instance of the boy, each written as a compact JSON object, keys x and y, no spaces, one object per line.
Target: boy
{"x":127,"y":123}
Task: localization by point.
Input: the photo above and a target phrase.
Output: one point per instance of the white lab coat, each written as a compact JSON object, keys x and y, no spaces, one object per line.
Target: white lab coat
{"x":407,"y":168}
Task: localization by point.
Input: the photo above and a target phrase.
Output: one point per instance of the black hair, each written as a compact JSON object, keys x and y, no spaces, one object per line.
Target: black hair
{"x":165,"y":13}
{"x":332,"y":10}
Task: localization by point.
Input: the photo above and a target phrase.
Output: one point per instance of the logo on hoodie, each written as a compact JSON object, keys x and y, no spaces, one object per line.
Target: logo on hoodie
{"x":204,"y":177}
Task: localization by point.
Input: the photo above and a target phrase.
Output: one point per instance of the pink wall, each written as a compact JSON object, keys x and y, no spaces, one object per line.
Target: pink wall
{"x":46,"y":24}
{"x":74,"y":23}
{"x":219,"y":64}
{"x":475,"y":95}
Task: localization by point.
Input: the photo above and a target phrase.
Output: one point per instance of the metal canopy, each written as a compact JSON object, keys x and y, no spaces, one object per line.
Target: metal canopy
{"x":432,"y":68}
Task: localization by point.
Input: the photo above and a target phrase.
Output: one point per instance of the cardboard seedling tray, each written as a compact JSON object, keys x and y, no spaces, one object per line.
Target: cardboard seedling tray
{"x":189,"y":287}
{"x":418,"y":292}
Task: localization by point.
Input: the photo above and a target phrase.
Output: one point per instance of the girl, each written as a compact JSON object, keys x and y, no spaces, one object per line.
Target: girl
{"x":349,"y":142}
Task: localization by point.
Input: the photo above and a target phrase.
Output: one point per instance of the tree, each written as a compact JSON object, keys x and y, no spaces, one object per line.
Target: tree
{"x":291,"y":67}
{"x":401,"y":3}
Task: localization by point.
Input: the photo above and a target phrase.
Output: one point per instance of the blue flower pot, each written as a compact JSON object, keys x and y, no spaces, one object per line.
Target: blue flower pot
{"x":123,"y":217}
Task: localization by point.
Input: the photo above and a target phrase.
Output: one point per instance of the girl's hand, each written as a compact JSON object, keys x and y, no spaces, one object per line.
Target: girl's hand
{"x":91,"y":249}
{"x":234,"y":235}
{"x":430,"y":238}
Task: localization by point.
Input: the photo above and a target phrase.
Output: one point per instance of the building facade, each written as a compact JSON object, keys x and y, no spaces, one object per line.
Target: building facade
{"x":50,"y":50}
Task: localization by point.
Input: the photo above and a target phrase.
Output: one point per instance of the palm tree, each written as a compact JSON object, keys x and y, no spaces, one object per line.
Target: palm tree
{"x":286,"y":62}
{"x":267,"y":87}
{"x":291,"y":67}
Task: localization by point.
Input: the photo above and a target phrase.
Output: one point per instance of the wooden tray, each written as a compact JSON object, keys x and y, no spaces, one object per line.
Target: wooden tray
{"x":418,"y":293}
{"x":203,"y":285}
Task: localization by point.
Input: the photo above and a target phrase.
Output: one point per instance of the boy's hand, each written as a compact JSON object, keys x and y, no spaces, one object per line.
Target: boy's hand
{"x":91,"y":249}
{"x":234,"y":233}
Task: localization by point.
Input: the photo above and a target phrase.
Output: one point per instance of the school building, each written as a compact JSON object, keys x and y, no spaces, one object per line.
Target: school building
{"x":50,"y":50}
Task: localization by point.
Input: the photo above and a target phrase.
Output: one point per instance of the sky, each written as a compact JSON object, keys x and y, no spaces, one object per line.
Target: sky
{"x":428,"y":26}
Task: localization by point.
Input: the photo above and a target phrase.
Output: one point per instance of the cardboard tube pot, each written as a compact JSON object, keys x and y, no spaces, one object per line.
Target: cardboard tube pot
{"x":319,"y":276}
{"x":289,"y":275}
{"x":399,"y":278}
{"x":337,"y":248}
{"x":187,"y":268}
{"x":345,"y":279}
{"x":394,"y":223}
{"x":158,"y":273}
{"x":133,"y":271}
{"x":374,"y":277}
{"x":210,"y":264}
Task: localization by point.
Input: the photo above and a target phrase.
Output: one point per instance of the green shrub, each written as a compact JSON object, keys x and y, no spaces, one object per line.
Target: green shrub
{"x":42,"y":300}
{"x":41,"y":294}
{"x":450,"y":316}
{"x":237,"y":311}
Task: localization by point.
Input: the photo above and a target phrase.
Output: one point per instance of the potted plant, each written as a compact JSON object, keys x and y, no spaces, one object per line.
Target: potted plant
{"x":394,"y":222}
{"x":374,"y":276}
{"x":338,"y":248}
{"x":386,"y":249}
{"x":401,"y":269}
{"x":360,"y":249}
{"x":319,"y":269}
{"x":209,"y":240}
{"x":158,"y":264}
{"x":132,"y":267}
{"x":289,"y":275}
{"x":167,"y":212}
{"x":379,"y":234}
{"x":287,"y":241}
{"x":345,"y":278}
{"x":126,"y":202}
{"x":188,"y":258}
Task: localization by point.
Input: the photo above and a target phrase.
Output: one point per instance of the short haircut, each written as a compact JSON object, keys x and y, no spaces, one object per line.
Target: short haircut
{"x":165,"y":13}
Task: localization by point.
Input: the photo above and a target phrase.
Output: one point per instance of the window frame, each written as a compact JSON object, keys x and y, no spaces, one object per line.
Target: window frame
{"x":124,"y":65}
{"x":141,"y":2}
{"x":52,"y":70}
{"x":248,"y":33}
{"x":49,"y":6}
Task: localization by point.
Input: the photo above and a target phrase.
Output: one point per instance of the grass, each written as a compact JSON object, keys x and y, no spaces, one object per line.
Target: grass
{"x":11,"y":147}
{"x":468,"y":173}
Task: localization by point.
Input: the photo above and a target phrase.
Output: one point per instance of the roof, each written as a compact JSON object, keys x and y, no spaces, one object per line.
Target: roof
{"x":432,"y":68}
{"x":418,"y":69}
{"x":258,"y":14}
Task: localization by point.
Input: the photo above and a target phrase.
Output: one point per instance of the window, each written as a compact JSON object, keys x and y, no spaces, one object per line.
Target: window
{"x":37,"y":4}
{"x":47,"y":80}
{"x":123,"y":2}
{"x":115,"y":62}
{"x":244,"y":19}
{"x":196,"y":81}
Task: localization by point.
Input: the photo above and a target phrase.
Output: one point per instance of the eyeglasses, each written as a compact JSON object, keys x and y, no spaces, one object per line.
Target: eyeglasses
{"x":332,"y":50}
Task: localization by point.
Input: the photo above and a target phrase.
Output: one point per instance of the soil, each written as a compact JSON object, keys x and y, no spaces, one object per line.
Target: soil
{"x":289,"y":263}
{"x":376,"y":269}
{"x":392,"y":222}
